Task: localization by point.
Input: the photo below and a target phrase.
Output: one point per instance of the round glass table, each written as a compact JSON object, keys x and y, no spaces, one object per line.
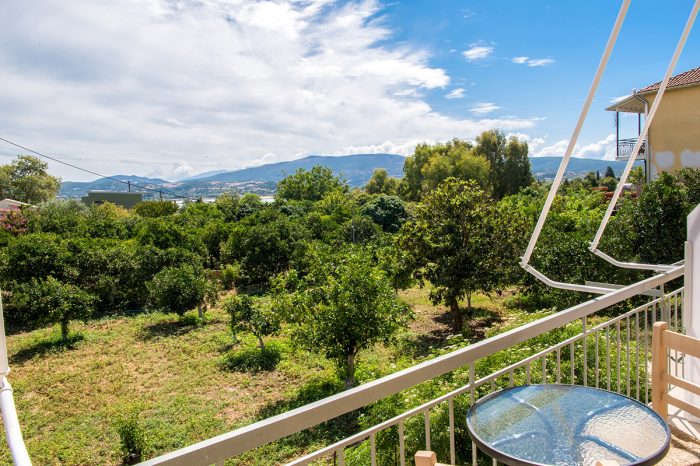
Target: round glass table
{"x":566,"y":425}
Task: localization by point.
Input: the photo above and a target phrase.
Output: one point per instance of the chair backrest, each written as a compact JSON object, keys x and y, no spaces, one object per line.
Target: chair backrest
{"x":663,"y":340}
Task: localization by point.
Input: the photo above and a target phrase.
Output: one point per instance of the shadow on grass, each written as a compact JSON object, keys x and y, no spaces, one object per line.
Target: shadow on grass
{"x":171,"y":328}
{"x":50,"y":345}
{"x":325,"y":433}
{"x":252,"y":359}
{"x":474,"y":329}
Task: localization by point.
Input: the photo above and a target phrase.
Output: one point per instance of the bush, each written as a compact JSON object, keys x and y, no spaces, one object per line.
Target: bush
{"x":154,"y":209}
{"x":180,"y":289}
{"x":230,"y":275}
{"x":132,"y":436}
{"x":247,"y":315}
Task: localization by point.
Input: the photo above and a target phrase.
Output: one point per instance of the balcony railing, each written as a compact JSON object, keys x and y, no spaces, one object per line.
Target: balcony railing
{"x":610,"y":351}
{"x":626,"y":146}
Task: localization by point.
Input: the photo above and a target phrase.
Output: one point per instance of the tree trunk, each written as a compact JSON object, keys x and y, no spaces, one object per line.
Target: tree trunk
{"x":200,"y":310}
{"x":469,"y":303}
{"x":64,"y":329}
{"x":350,"y":371}
{"x":456,"y":315}
{"x":261,"y":342}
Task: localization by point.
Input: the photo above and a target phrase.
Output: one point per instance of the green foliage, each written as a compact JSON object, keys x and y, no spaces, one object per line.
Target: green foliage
{"x":35,"y":255}
{"x":341,"y":306}
{"x":26,"y":180}
{"x":387,"y":211}
{"x":64,"y":217}
{"x":454,"y":243}
{"x":161,"y":233}
{"x":655,"y":224}
{"x":107,"y":221}
{"x":247,"y":315}
{"x":180,"y":289}
{"x":608,"y":182}
{"x":609,"y":172}
{"x":49,"y":301}
{"x":431,"y":165}
{"x":264,"y":246}
{"x":230,"y":275}
{"x":154,"y":209}
{"x":509,"y":164}
{"x":132,"y":435}
{"x":382,"y":183}
{"x":312,"y":185}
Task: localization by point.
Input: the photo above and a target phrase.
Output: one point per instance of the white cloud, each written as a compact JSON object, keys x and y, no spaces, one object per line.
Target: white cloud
{"x":131,"y":87}
{"x":602,"y":149}
{"x":539,"y":62}
{"x":477,"y":52}
{"x":455,"y":93}
{"x":484,"y":107}
{"x":532,"y":62}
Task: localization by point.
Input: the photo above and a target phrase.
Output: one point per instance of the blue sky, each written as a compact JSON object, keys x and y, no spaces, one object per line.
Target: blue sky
{"x":171,"y":88}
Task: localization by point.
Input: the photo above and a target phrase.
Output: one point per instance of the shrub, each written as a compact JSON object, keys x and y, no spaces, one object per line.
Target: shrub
{"x":132,"y":436}
{"x":246,"y":315}
{"x":230,"y":275}
{"x":179,"y":289}
{"x":154,"y":209}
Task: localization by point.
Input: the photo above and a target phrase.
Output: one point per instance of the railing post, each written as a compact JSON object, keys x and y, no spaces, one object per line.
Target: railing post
{"x":691,"y":302}
{"x":658,"y":368}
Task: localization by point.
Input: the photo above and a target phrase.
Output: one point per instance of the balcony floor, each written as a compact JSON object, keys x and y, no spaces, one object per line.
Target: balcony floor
{"x":685,"y":443}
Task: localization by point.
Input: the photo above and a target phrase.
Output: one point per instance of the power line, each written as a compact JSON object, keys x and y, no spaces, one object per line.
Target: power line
{"x":128,"y":183}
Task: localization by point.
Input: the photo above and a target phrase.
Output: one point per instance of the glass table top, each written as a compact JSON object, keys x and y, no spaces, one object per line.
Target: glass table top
{"x":566,"y":425}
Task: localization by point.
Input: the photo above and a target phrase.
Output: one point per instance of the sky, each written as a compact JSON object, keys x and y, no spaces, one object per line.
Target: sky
{"x":172,"y":88}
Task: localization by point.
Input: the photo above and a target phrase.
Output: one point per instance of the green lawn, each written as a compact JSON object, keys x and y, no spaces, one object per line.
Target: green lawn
{"x":180,"y":376}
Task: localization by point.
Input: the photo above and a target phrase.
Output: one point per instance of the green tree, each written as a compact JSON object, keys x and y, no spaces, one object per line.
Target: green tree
{"x":48,"y":301}
{"x":609,"y":172}
{"x":64,"y":217}
{"x":387,"y":211}
{"x":430,"y":165}
{"x":249,"y":316}
{"x":451,"y":240}
{"x":26,"y":179}
{"x":107,"y":221}
{"x":153,"y":209}
{"x":341,"y":306}
{"x":382,"y":183}
{"x":35,"y":255}
{"x":180,"y":289}
{"x":509,"y":163}
{"x":311,"y":185}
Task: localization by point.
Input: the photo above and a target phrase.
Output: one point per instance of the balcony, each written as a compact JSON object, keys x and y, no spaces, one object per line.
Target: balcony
{"x":626,"y":146}
{"x":604,"y":342}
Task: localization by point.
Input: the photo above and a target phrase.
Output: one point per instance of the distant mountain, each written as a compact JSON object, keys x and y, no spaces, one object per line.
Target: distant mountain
{"x":356,"y":169}
{"x":546,"y":167}
{"x":80,"y":188}
{"x":204,"y":175}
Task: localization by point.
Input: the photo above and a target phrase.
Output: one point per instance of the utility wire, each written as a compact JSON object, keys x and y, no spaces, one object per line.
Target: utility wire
{"x":128,"y":183}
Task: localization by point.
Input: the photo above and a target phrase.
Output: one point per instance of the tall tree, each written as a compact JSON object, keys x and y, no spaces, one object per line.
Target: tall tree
{"x":510,"y":166}
{"x":26,"y":179}
{"x":430,"y":165}
{"x":451,"y":240}
{"x":609,"y":172}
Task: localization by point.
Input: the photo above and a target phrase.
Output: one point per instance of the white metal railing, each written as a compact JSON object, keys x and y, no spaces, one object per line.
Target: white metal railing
{"x":624,"y":341}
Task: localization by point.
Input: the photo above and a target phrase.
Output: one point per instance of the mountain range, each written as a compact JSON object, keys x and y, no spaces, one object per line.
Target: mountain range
{"x":356,"y":169}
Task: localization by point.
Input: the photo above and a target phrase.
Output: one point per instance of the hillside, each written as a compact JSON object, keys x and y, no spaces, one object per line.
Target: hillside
{"x":356,"y":169}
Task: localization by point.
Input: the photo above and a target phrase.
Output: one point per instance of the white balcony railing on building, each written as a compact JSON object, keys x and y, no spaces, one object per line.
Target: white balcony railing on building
{"x":626,"y":146}
{"x":608,"y":351}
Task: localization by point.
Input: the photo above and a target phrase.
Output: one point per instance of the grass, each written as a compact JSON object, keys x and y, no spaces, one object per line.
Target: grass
{"x":191,"y":382}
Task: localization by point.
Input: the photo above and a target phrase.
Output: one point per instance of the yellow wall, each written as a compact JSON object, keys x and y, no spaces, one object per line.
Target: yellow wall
{"x":674,"y":135}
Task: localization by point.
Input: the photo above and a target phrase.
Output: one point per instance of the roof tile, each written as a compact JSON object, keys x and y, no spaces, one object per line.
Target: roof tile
{"x":683,"y":79}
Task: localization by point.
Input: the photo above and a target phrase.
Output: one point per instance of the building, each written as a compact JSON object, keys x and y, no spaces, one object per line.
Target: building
{"x":124,"y":199}
{"x":11,"y":204}
{"x":673,"y":141}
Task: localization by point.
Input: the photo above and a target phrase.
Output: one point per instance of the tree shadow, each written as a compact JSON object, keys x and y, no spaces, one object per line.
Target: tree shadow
{"x":423,"y":344}
{"x":252,"y":359}
{"x":50,"y":345}
{"x":478,"y":323}
{"x":171,"y":328}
